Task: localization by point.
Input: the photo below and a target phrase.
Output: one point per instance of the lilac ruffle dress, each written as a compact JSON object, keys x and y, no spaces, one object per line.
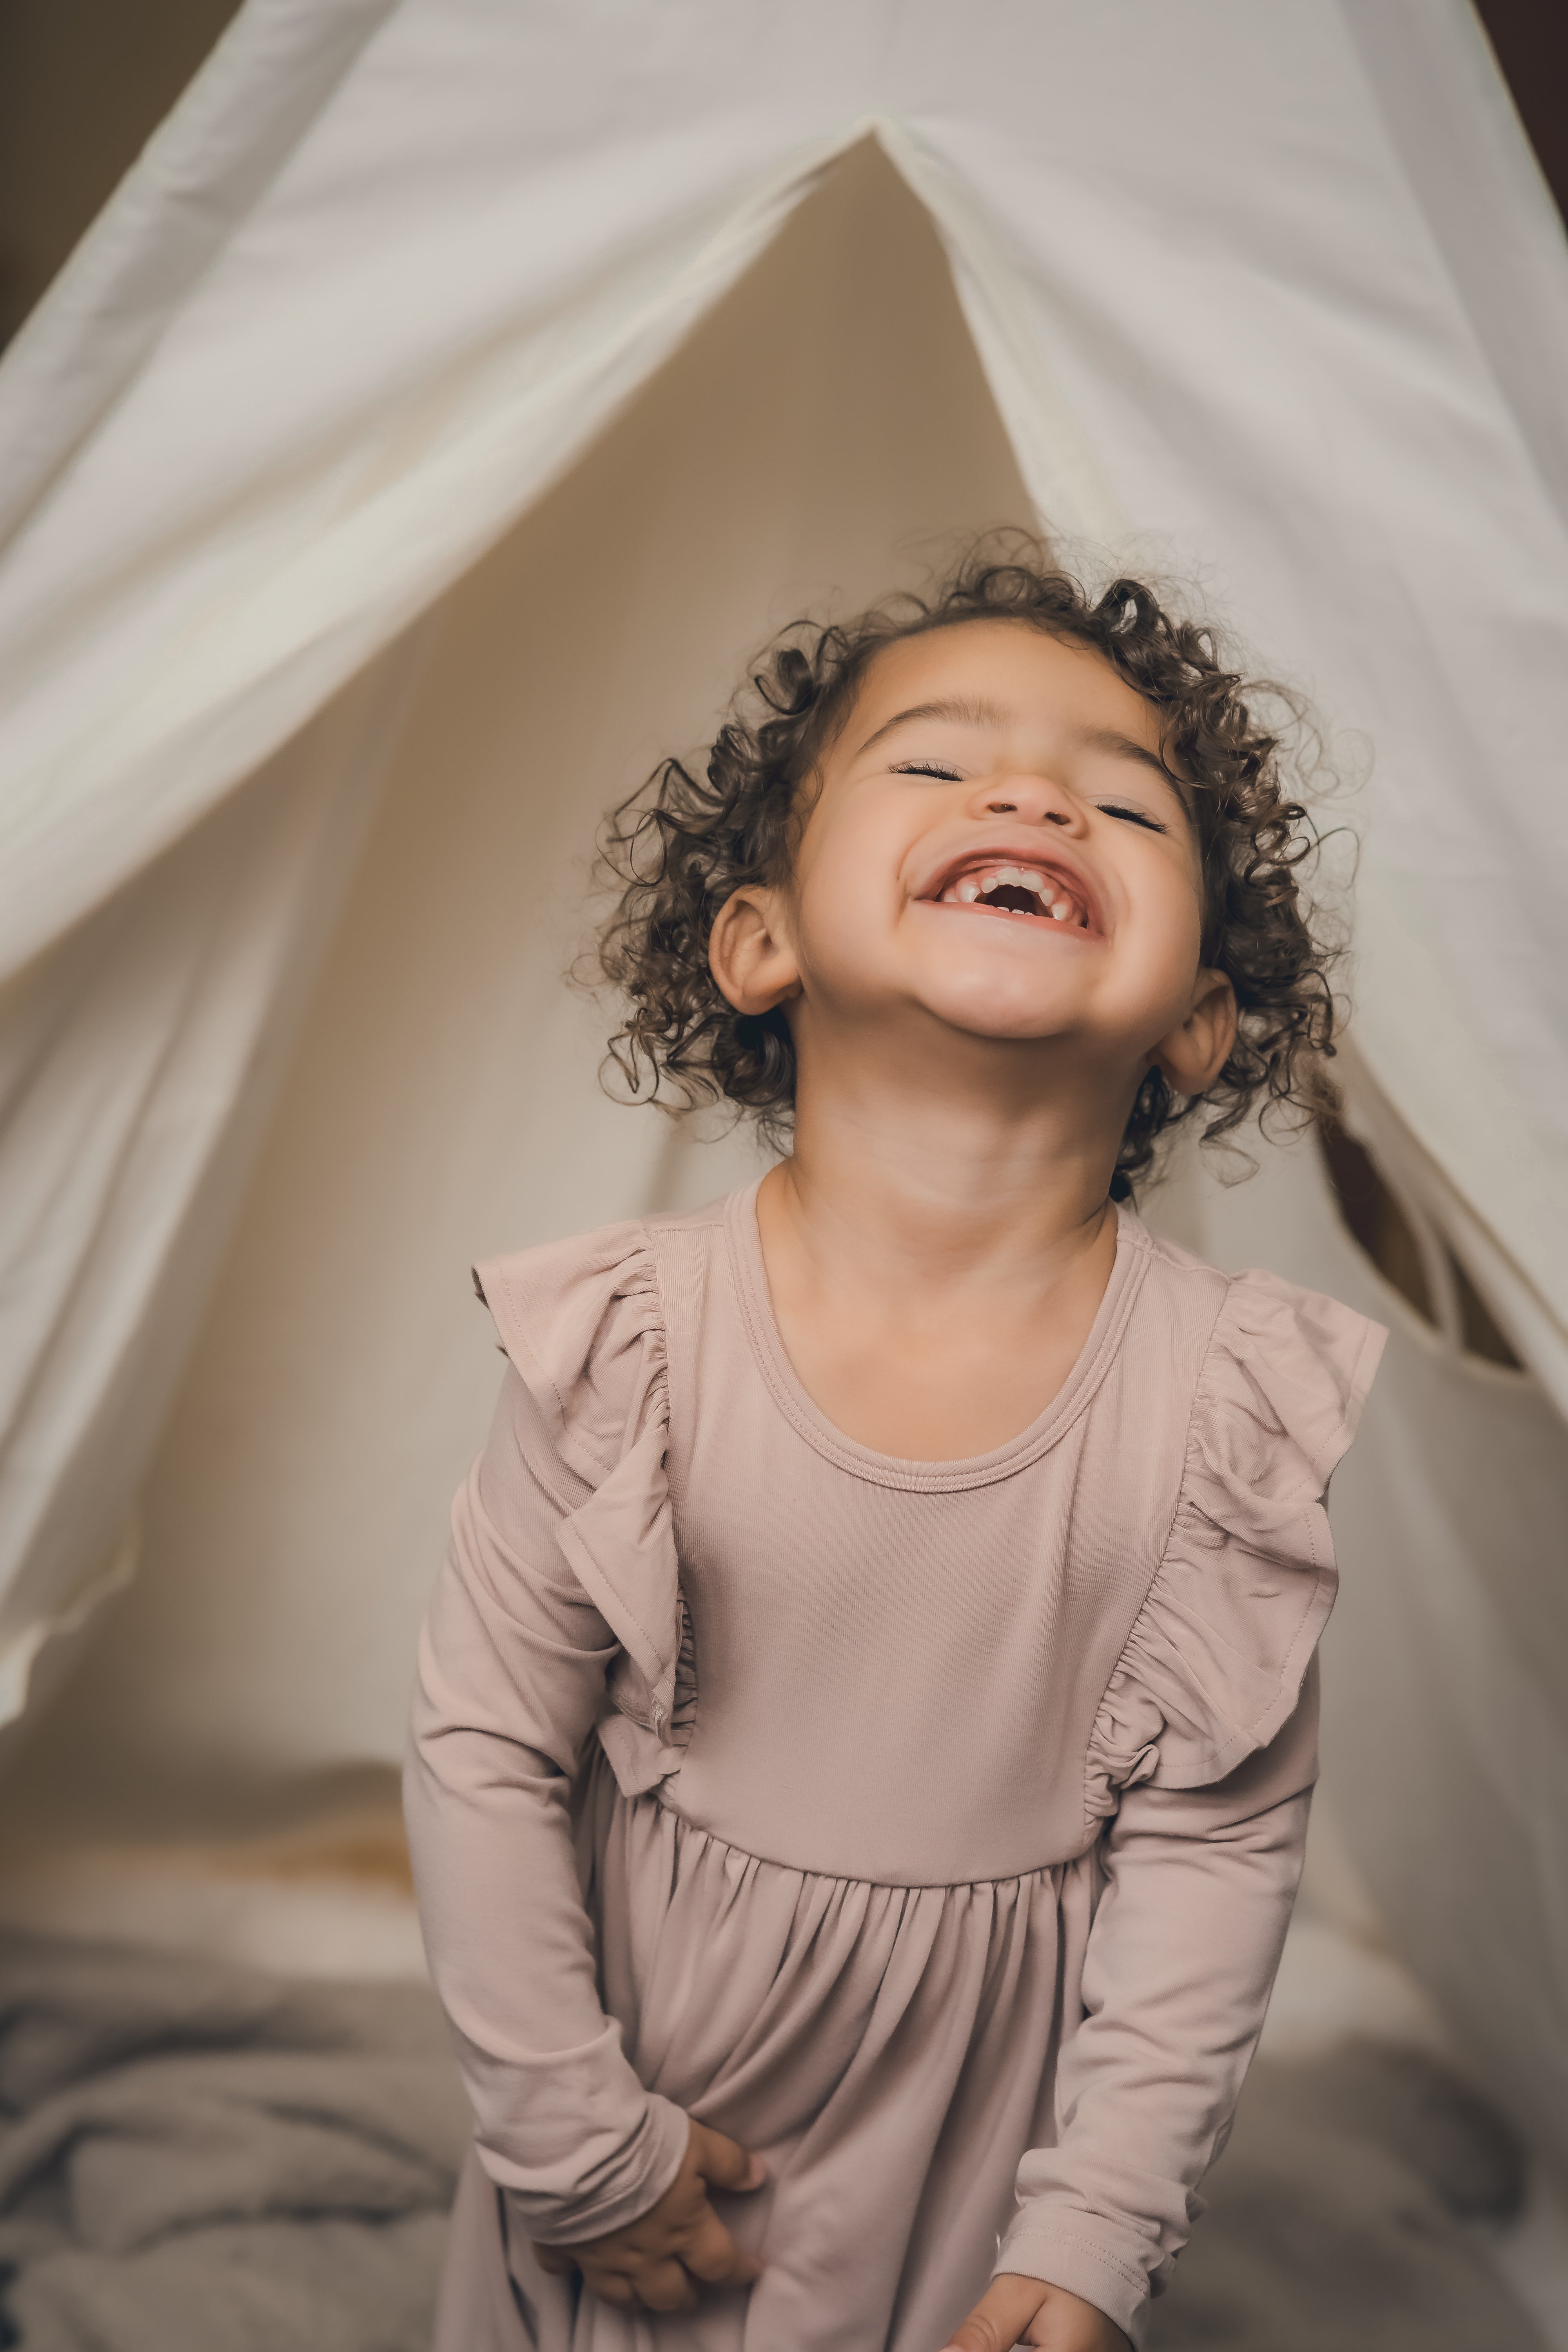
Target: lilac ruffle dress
{"x":932,"y":1828}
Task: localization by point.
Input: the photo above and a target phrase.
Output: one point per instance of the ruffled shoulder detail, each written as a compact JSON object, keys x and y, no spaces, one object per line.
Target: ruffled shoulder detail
{"x":581,"y":1319}
{"x":1213,"y":1664}
{"x":583,"y":1322}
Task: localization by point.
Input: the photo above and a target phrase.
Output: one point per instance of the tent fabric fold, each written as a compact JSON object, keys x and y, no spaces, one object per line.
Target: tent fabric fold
{"x":200,"y":174}
{"x":1217,"y":314}
{"x":144,"y":1053}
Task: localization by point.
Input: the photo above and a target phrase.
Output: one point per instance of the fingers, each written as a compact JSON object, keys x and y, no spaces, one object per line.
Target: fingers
{"x":723,"y":2162}
{"x":663,"y":2277}
{"x":610,"y":2287}
{"x":657,"y":2260}
{"x":1024,"y":2311}
{"x":712,"y":2255}
{"x":664,"y":2286}
{"x":1000,"y":2317}
{"x":647,"y":2286}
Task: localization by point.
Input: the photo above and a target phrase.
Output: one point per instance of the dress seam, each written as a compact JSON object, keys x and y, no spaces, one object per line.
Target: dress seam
{"x":685,"y":1623}
{"x":1089,"y":1817}
{"x":846,"y":1877}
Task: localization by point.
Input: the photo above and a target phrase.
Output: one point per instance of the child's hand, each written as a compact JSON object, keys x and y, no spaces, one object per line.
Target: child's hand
{"x":657,"y":2260}
{"x":1015,"y":2310}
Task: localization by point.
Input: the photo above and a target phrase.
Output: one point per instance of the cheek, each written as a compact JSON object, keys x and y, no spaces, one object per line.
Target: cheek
{"x":828,"y":937}
{"x":1171,"y":916}
{"x":846,"y":893}
{"x":1163,"y":952}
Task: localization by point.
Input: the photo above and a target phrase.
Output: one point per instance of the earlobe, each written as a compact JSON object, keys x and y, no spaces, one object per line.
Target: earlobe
{"x":750,"y":957}
{"x":1193,"y":1054}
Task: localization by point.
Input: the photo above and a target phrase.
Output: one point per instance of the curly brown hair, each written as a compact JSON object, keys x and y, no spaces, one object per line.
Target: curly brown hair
{"x":677,"y":847}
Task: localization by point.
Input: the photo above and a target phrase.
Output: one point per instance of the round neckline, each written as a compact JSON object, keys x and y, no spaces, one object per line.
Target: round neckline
{"x":749,"y":1268}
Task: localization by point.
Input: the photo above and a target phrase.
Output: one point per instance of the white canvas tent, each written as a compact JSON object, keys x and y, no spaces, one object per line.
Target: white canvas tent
{"x":406,"y":459}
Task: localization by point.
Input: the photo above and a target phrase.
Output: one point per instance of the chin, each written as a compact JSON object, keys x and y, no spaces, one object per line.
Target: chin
{"x":1000,"y":1013}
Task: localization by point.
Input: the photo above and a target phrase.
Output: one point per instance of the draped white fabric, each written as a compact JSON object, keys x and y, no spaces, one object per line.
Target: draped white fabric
{"x":140,"y":1057}
{"x":1273,"y":295}
{"x":1446,"y":1662}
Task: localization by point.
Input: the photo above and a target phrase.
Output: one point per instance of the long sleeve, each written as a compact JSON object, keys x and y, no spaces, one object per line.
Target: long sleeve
{"x":1201,"y":1764}
{"x":1198,"y":1886}
{"x":512,"y":1675}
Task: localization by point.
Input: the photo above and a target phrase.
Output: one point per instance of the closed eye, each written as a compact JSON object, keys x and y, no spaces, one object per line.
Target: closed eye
{"x":928,"y":768}
{"x":1132,"y":816}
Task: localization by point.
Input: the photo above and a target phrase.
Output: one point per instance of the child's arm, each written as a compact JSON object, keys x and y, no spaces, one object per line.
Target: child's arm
{"x":1177,"y":1974}
{"x":510,"y":1680}
{"x":1200,"y":1871}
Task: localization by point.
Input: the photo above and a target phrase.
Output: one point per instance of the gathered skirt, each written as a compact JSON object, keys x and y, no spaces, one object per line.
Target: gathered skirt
{"x":890,"y":2051}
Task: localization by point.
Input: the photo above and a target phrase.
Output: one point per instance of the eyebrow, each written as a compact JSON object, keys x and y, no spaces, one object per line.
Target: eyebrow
{"x":964,"y":713}
{"x":1127,"y":747}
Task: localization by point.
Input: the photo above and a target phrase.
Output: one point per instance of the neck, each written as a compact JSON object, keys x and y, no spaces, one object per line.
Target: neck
{"x":995,"y":1172}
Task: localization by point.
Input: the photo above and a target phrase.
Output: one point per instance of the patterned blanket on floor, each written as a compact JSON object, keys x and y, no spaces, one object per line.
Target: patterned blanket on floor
{"x":197,"y":2157}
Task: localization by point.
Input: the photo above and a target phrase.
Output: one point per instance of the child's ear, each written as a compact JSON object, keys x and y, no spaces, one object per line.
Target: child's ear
{"x":1193,"y":1054}
{"x":749,"y":952}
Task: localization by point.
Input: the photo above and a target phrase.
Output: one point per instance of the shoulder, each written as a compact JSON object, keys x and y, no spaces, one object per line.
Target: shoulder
{"x":1283,"y":1373}
{"x":582,"y":1320}
{"x":1285,"y":1380}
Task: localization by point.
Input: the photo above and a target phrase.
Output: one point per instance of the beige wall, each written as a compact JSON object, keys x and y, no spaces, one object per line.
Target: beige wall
{"x":808,"y":444}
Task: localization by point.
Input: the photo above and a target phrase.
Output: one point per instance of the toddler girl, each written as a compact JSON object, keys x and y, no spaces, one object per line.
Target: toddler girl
{"x":866,"y":1720}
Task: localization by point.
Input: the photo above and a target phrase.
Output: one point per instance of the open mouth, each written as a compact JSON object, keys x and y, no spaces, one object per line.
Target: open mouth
{"x":1019,"y":893}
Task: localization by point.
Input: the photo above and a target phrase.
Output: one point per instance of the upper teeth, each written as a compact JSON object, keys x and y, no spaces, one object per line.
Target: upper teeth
{"x":981,"y":880}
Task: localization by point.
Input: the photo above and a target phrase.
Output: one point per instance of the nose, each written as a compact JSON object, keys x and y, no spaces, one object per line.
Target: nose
{"x":1031,"y":797}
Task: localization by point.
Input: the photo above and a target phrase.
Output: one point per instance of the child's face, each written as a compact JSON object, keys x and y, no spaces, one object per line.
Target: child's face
{"x":996,"y":845}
